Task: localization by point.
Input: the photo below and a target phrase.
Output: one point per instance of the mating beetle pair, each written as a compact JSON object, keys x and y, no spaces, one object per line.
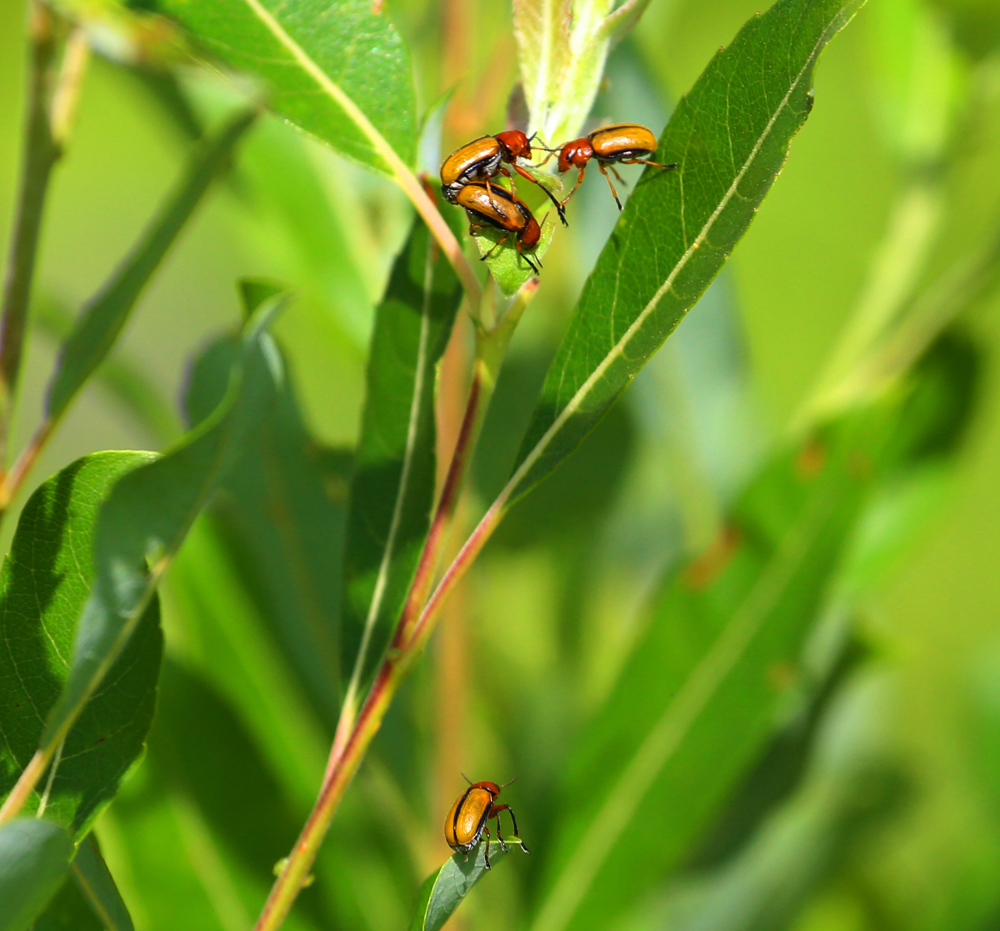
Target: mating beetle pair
{"x":467,"y":172}
{"x":466,"y":822}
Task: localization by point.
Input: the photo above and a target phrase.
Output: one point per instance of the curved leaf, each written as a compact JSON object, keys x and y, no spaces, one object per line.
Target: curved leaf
{"x":34,"y":856}
{"x":97,"y":886}
{"x":729,"y":137}
{"x":392,"y":492}
{"x":443,"y":891}
{"x":102,"y":320}
{"x":43,"y":587}
{"x":149,"y":513}
{"x":699,"y":695}
{"x":339,"y":70}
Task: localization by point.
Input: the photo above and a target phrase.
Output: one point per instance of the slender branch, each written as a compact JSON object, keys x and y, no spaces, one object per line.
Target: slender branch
{"x":354,"y":736}
{"x":41,"y":151}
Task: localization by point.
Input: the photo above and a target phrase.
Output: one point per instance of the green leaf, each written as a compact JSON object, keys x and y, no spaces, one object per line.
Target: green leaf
{"x":43,"y":587}
{"x":34,"y":856}
{"x":338,"y":70}
{"x":443,"y":891}
{"x":102,"y":320}
{"x":698,"y":697}
{"x":729,"y":137}
{"x":149,"y":513}
{"x":68,"y":910}
{"x":393,"y":488}
{"x":98,"y":887}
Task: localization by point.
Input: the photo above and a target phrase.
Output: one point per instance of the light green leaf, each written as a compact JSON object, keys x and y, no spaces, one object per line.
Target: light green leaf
{"x":102,"y":320}
{"x":338,"y":70}
{"x":150,"y":512}
{"x":95,"y":882}
{"x":34,"y":856}
{"x":443,"y":891}
{"x":699,"y":695}
{"x":393,"y":487}
{"x":43,"y":586}
{"x":729,"y":136}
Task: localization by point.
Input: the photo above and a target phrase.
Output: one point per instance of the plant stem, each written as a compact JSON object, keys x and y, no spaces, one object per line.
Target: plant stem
{"x":354,"y":735}
{"x":41,"y":151}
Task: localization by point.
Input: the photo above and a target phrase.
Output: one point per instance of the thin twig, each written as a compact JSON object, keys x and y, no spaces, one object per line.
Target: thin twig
{"x":411,"y":636}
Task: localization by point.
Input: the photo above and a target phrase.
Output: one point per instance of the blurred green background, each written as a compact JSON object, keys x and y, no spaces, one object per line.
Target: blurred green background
{"x":906,"y":124}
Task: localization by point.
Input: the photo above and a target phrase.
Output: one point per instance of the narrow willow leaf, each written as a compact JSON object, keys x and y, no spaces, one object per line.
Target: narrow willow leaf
{"x":729,"y":137}
{"x":43,"y":588}
{"x":443,"y":891}
{"x":34,"y":856}
{"x":95,"y":882}
{"x":338,"y":70}
{"x":284,"y":510}
{"x":393,"y":488}
{"x":102,"y":320}
{"x":150,"y":512}
{"x":698,"y":696}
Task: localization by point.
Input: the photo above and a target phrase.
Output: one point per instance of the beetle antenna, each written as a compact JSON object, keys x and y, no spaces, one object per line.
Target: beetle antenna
{"x":504,"y":786}
{"x":467,"y":779}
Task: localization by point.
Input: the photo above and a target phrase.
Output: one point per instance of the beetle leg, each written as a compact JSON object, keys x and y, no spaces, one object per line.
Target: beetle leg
{"x":607,"y":177}
{"x":489,"y":190}
{"x":527,"y":258}
{"x":545,"y":190}
{"x":621,"y":180}
{"x":579,"y":181}
{"x":495,"y":813}
{"x":486,"y":255}
{"x":646,"y":161}
{"x":510,"y":811}
{"x":486,"y":831}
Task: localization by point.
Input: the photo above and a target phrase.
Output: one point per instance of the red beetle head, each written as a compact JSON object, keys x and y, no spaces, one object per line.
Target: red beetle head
{"x":575,"y":154}
{"x":529,"y":237}
{"x":515,"y":144}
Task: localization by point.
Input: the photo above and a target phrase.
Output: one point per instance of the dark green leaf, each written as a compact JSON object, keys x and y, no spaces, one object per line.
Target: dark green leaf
{"x":95,"y":882}
{"x":729,"y":137}
{"x":393,"y":488}
{"x":150,"y":512}
{"x":43,"y":587}
{"x":68,"y":911}
{"x":338,"y":70}
{"x":284,"y":509}
{"x":443,"y":891}
{"x":34,"y":856}
{"x":103,"y":319}
{"x":698,"y":697}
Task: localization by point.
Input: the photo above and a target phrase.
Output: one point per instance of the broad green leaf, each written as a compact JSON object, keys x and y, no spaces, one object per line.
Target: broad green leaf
{"x":393,"y":487}
{"x":34,"y":856}
{"x":729,"y":137}
{"x":43,"y":586}
{"x":338,"y":70}
{"x":150,"y":512}
{"x":443,"y":891}
{"x":284,"y":507}
{"x":102,"y":320}
{"x":68,"y":910}
{"x":698,"y":697}
{"x":95,"y":882}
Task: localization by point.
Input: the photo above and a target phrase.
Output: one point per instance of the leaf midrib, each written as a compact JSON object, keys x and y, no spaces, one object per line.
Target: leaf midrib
{"x":619,"y":348}
{"x":666,"y":734}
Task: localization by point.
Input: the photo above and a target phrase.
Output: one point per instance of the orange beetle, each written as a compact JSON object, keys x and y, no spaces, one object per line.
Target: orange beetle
{"x":487,"y":205}
{"x":466,"y":821}
{"x":624,"y":143}
{"x":481,"y":160}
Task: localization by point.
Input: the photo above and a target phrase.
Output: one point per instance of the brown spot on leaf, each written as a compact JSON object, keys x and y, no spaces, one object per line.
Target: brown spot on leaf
{"x":715,"y":558}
